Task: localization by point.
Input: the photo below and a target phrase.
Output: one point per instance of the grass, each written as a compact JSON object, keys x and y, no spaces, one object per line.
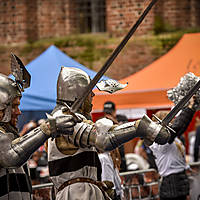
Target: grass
{"x":90,"y":48}
{"x":163,"y":42}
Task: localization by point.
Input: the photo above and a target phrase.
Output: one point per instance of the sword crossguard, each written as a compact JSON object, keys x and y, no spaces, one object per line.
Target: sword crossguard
{"x":165,"y":125}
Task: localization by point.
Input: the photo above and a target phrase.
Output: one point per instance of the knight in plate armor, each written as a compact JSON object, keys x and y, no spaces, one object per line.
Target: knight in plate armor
{"x":74,"y":165}
{"x":15,"y":150}
{"x":170,"y":157}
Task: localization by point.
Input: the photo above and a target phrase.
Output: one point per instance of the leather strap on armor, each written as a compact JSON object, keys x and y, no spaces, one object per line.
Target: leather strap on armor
{"x":102,"y":186}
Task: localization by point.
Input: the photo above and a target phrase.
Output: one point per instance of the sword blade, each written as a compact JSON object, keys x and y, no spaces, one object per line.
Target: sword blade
{"x":180,"y":104}
{"x":76,"y":105}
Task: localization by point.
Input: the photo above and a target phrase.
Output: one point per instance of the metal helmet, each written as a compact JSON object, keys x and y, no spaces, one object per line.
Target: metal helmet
{"x":71,"y":83}
{"x":8,"y":91}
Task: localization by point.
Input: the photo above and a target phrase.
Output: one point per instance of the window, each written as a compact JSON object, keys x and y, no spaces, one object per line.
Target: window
{"x":90,"y":15}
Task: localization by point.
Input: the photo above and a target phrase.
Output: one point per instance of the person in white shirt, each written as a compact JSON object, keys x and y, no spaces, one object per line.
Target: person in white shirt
{"x":110,"y":161}
{"x":111,"y":173}
{"x":170,"y":158}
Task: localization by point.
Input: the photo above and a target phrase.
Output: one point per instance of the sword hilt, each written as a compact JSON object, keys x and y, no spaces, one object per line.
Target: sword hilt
{"x":165,"y":125}
{"x":68,"y":109}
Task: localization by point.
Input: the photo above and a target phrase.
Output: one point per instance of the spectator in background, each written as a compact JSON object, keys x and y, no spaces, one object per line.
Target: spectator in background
{"x":123,"y":167}
{"x":110,"y":161}
{"x":146,"y":153}
{"x":109,"y":110}
{"x":170,"y":157}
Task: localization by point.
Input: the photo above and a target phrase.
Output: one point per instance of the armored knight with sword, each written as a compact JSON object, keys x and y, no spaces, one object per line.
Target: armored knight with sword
{"x":73,"y":162}
{"x":15,"y":150}
{"x":170,"y":157}
{"x":74,"y":165}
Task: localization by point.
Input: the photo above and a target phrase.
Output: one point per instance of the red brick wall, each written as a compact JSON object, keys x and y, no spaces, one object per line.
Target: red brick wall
{"x":12,"y":21}
{"x":195,"y":13}
{"x":55,"y":18}
{"x":175,"y":12}
{"x":23,"y":20}
{"x":121,"y":14}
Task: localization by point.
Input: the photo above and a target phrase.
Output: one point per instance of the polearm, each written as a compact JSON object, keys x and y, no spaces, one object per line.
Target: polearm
{"x":78,"y":102}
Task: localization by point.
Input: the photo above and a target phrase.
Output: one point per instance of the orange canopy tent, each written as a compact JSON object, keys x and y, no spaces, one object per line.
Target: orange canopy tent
{"x":147,"y":88}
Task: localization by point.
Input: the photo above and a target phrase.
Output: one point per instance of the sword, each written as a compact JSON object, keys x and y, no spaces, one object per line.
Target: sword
{"x":165,"y":122}
{"x":78,"y":102}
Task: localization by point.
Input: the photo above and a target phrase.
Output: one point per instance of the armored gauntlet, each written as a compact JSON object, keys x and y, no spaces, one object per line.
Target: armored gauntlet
{"x":61,"y":124}
{"x":17,"y":152}
{"x":152,"y":132}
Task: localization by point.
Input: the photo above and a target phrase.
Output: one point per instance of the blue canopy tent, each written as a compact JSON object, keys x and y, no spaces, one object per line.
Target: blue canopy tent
{"x":40,"y":97}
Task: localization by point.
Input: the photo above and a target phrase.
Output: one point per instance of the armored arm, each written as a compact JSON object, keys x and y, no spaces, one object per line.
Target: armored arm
{"x":86,"y":135}
{"x":181,"y":122}
{"x":15,"y":152}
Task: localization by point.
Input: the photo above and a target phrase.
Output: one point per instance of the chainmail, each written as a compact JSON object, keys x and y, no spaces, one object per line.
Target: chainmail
{"x":183,"y":87}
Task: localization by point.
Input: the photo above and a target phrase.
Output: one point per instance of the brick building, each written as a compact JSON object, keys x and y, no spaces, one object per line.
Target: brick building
{"x":29,"y":20}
